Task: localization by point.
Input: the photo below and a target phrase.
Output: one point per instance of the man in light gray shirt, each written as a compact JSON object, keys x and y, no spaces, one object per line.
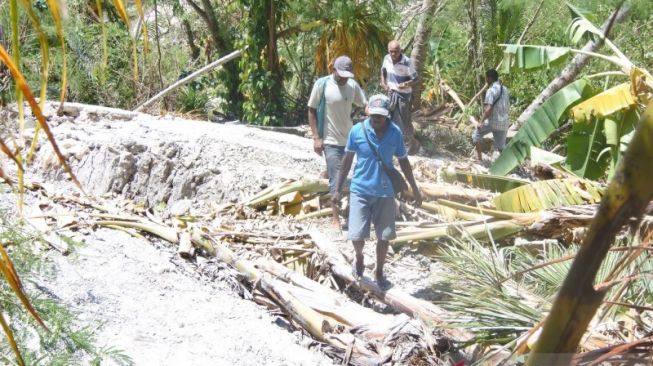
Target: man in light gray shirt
{"x":495,"y":114}
{"x":397,"y":77}
{"x":329,"y":116}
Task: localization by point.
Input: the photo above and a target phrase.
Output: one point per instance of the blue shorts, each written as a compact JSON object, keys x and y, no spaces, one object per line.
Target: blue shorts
{"x":364,"y":210}
{"x":333,"y":155}
{"x":499,"y":136}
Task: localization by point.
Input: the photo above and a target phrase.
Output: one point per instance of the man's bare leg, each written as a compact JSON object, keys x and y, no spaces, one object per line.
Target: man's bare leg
{"x":358,"y":248}
{"x":381,"y":252}
{"x":479,"y":154}
{"x":335,"y":216}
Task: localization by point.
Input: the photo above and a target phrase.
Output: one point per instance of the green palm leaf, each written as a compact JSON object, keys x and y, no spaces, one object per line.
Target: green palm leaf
{"x":537,"y":129}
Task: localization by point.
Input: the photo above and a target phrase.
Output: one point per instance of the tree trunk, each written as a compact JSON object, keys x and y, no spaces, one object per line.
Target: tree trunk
{"x":571,"y":71}
{"x":273,"y":54}
{"x":420,"y":46}
{"x":475,"y":50}
{"x":222,"y":45}
{"x":194,"y":49}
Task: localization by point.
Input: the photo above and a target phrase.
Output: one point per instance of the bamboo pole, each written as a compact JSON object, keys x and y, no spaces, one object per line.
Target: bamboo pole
{"x":188,"y":78}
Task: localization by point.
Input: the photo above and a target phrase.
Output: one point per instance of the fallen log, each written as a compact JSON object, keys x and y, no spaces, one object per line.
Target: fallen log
{"x":395,"y":298}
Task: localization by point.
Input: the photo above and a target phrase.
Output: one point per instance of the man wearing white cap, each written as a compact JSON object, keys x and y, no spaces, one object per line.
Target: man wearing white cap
{"x":329,"y":116}
{"x":371,"y":194}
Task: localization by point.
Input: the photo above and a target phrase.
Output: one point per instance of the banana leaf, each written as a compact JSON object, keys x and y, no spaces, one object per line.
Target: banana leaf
{"x":549,"y":194}
{"x":584,"y":146}
{"x":484,"y":181}
{"x":527,"y":57}
{"x":604,"y":104}
{"x":540,"y":156}
{"x":539,"y":127}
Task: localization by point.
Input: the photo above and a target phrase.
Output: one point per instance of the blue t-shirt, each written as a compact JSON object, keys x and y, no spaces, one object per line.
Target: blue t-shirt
{"x":369,"y":178}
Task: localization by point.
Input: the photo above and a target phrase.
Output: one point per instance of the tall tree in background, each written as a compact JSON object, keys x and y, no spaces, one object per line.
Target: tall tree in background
{"x":223,"y":44}
{"x":475,"y":44}
{"x":261,"y":74}
{"x":420,"y":46}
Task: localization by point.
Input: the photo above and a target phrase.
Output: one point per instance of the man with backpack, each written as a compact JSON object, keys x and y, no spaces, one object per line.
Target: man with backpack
{"x":495,"y":114}
{"x":329,"y":116}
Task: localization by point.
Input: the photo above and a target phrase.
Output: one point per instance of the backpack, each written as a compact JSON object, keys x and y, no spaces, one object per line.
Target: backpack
{"x":321,"y":107}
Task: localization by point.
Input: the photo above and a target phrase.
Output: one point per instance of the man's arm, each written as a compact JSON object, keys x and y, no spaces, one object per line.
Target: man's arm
{"x":345,"y":167}
{"x":384,"y":83}
{"x":318,"y":146}
{"x":408,"y":173}
{"x":487,"y":110}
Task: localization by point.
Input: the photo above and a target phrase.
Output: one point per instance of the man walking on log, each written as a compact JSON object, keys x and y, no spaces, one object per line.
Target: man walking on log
{"x":371,"y":199}
{"x":329,"y":116}
{"x":397,"y":76}
{"x":495,"y":114}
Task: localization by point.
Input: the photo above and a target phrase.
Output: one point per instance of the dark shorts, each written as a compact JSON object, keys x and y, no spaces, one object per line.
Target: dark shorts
{"x":364,"y":211}
{"x":333,"y":155}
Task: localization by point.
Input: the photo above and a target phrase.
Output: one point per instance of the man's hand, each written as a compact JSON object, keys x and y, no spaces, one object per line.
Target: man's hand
{"x":335,"y":199}
{"x":318,"y":145}
{"x":385,"y":87}
{"x":402,"y":86}
{"x":418,"y":198}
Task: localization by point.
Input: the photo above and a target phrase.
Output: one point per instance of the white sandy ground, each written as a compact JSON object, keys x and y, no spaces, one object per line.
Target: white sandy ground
{"x":160,"y":314}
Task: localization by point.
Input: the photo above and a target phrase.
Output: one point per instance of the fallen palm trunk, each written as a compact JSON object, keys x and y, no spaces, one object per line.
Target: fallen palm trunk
{"x":325,"y":300}
{"x":398,"y":300}
{"x":451,"y":214}
{"x":438,"y":191}
{"x":482,"y":231}
{"x":304,"y":186}
{"x":502,"y":215}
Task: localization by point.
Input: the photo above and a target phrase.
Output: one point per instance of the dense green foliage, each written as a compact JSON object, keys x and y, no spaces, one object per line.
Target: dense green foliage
{"x":272,"y":87}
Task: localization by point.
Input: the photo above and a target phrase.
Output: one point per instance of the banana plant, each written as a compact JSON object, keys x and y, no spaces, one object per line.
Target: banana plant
{"x":587,"y":143}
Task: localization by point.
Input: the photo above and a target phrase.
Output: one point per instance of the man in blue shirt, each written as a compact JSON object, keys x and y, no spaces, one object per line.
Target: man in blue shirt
{"x":371,"y":199}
